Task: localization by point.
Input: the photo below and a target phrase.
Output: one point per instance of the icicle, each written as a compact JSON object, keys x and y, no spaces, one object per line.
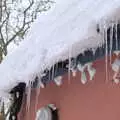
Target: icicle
{"x":116,"y":35}
{"x":39,"y":80}
{"x":39,"y":85}
{"x":28,"y":96}
{"x":69,"y":66}
{"x":116,"y":52}
{"x":53,"y":70}
{"x":72,"y":67}
{"x":91,"y":71}
{"x":49,"y":75}
{"x":37,"y":97}
{"x":111,"y":41}
{"x":58,"y":80}
{"x":56,"y":68}
{"x":106,"y":52}
{"x":83,"y":74}
{"x":62,"y":65}
{"x":93,"y":51}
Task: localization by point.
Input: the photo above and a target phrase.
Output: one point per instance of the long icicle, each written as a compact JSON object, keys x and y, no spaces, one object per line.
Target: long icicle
{"x":106,"y":53}
{"x":111,"y":42}
{"x":49,"y":74}
{"x":116,"y":35}
{"x":69,"y":66}
{"x":28,"y":95}
{"x":37,"y":95}
{"x":56,"y":68}
{"x":74,"y":69}
{"x":28,"y":99}
{"x":53,"y":71}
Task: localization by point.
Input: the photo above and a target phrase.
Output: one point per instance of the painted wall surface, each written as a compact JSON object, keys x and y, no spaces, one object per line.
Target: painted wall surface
{"x":97,"y":100}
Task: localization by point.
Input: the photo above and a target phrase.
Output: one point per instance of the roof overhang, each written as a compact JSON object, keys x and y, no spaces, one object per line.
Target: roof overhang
{"x":66,"y":31}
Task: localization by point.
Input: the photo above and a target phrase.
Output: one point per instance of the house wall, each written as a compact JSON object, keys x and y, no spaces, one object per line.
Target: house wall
{"x":97,"y":100}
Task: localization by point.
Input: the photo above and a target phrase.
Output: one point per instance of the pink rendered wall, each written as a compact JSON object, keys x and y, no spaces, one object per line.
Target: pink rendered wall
{"x":97,"y":100}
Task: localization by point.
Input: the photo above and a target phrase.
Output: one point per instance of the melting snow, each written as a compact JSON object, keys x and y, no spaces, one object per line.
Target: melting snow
{"x":68,"y":24}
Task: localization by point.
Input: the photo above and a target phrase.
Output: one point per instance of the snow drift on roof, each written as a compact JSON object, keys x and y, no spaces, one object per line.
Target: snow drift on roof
{"x":68,"y":29}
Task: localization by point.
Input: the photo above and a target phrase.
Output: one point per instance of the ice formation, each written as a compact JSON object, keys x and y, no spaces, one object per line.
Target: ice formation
{"x":69,"y":28}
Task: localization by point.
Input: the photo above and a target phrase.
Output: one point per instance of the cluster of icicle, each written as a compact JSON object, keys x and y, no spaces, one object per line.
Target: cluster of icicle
{"x":57,"y":80}
{"x":102,"y":30}
{"x":89,"y":66}
{"x":113,"y":25}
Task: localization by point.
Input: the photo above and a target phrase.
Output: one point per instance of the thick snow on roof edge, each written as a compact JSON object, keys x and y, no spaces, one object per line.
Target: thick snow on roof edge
{"x":68,"y":29}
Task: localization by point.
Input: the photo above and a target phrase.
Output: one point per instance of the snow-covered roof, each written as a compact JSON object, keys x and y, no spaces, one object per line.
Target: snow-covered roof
{"x":67,"y":29}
